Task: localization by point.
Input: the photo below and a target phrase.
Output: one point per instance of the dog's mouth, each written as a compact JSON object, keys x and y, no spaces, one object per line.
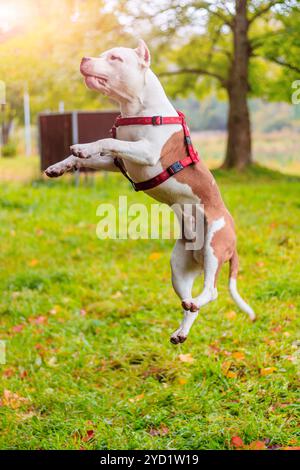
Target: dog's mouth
{"x":95,"y":81}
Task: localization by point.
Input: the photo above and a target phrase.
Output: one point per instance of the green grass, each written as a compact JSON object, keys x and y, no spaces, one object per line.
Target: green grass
{"x":87,"y":325}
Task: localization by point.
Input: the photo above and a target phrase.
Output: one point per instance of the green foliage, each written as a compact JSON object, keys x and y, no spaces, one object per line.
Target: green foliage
{"x":87,"y":325}
{"x":48,"y":50}
{"x":196,"y":38}
{"x":9,"y":150}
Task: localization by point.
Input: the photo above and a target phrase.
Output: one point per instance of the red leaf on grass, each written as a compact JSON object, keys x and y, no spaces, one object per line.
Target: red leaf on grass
{"x":18,"y":328}
{"x":89,"y":435}
{"x":40,"y":320}
{"x":163,"y":430}
{"x":237,"y":442}
{"x":257,"y":445}
{"x":8,"y":372}
{"x":23,"y":374}
{"x":13,"y":400}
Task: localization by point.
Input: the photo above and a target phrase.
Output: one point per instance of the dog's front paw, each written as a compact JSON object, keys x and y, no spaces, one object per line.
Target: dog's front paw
{"x":54,"y":171}
{"x":80,"y":151}
{"x":178,"y":337}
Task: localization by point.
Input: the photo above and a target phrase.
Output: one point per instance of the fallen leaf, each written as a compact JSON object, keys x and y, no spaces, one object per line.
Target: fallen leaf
{"x":33,"y":262}
{"x":292,"y":442}
{"x":231,"y":375}
{"x":52,"y":362}
{"x":237,"y":442}
{"x":214,"y":347}
{"x":226,"y":366}
{"x":40,"y":320}
{"x":276,"y":328}
{"x":13,"y":400}
{"x":89,"y":435}
{"x":230,"y":315}
{"x":186,"y":358}
{"x":154,"y":256}
{"x":137,"y":398}
{"x":239,"y":356}
{"x":161,"y":431}
{"x":18,"y":328}
{"x":8,"y":372}
{"x":267,"y":371}
{"x":182,"y":381}
{"x":257,"y":445}
{"x":260,"y":264}
{"x":23,"y":374}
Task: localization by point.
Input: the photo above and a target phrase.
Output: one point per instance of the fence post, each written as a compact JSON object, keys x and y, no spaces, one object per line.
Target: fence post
{"x":75,"y":140}
{"x":27,"y":123}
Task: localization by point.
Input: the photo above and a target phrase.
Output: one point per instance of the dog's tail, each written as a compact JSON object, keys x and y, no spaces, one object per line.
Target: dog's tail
{"x":233,"y":272}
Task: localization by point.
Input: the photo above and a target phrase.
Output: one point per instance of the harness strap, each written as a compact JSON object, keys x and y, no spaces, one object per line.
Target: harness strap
{"x":190,"y":159}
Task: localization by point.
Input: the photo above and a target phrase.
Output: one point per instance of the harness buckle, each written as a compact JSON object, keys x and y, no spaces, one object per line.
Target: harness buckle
{"x":157,"y":120}
{"x":175,"y":168}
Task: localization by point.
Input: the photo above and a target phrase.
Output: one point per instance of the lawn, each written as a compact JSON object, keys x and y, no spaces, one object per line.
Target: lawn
{"x":87,"y":323}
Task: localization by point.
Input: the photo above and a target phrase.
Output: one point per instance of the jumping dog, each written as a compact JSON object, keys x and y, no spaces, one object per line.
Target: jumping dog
{"x":151,"y":146}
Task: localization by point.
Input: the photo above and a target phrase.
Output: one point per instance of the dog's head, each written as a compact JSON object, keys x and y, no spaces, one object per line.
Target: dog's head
{"x":119,"y":72}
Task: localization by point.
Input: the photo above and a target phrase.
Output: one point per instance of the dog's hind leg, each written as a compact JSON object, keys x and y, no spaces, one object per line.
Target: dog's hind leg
{"x":212,"y":265}
{"x":185,"y":269}
{"x":234,"y":264}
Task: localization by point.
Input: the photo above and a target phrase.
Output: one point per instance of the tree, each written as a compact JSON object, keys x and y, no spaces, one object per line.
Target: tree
{"x":43,"y":55}
{"x":243,"y":47}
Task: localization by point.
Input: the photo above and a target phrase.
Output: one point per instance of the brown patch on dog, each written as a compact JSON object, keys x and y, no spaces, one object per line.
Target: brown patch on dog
{"x":203,"y":185}
{"x":197,"y":176}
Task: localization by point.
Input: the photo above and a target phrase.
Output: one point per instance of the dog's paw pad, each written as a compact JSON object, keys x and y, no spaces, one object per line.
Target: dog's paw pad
{"x":53,"y":172}
{"x":178,"y":337}
{"x":189,"y":306}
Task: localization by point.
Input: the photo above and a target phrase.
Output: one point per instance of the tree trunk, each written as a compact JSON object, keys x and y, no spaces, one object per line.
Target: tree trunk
{"x":238,"y":152}
{"x":6,"y":129}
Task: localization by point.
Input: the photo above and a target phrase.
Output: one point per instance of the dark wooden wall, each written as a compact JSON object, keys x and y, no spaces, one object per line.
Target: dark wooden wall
{"x":58,"y":131}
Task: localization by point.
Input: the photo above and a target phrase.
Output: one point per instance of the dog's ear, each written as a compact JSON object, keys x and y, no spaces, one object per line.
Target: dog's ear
{"x":143,"y":53}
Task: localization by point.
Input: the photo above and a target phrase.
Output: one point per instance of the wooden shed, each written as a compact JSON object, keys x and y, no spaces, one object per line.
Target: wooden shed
{"x":58,"y":131}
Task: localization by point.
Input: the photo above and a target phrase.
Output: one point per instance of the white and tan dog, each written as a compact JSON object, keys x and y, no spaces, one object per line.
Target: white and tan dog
{"x":124,"y":75}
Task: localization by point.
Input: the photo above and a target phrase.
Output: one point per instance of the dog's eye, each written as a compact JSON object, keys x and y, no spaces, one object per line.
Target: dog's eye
{"x":115,"y":57}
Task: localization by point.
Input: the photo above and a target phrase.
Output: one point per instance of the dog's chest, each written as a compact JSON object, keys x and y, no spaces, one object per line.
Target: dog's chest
{"x":193,"y":184}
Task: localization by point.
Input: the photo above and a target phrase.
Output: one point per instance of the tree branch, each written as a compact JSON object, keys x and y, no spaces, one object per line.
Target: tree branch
{"x":228,"y":20}
{"x":263,"y":10}
{"x":278,"y":61}
{"x":194,"y":71}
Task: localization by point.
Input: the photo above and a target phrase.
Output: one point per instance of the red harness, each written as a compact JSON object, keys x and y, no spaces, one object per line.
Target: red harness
{"x":191,"y":158}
